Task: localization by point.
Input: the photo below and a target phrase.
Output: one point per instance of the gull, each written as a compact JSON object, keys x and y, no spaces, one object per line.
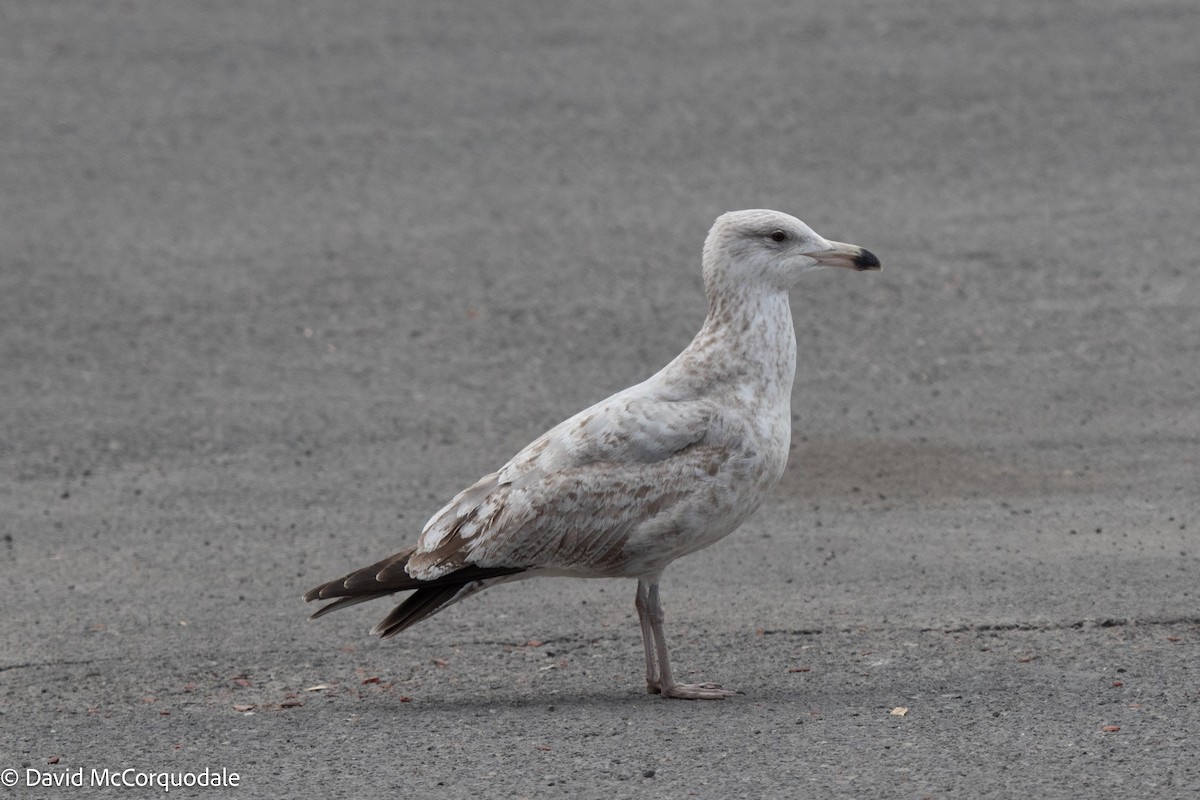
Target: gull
{"x":656,"y":471}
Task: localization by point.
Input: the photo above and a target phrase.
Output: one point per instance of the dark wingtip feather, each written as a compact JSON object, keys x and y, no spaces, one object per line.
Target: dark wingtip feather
{"x":388,"y":577}
{"x":319,"y":592}
{"x":342,"y":602}
{"x":416,"y":607}
{"x":367,"y":580}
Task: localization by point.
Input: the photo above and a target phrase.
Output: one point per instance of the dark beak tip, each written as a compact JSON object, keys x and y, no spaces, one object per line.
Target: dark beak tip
{"x":867,"y":261}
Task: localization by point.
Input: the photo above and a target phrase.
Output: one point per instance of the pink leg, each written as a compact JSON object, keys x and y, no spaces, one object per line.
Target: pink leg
{"x":666,"y":681}
{"x":643,"y":610}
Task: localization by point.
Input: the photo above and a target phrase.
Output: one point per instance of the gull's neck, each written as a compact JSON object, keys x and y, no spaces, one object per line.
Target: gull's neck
{"x":747,"y":340}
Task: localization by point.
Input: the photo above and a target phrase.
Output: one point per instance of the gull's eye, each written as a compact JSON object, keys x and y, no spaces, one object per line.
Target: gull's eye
{"x":779,"y":236}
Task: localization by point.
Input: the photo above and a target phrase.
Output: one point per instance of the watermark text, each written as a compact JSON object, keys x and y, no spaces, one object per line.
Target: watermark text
{"x":126,"y":778}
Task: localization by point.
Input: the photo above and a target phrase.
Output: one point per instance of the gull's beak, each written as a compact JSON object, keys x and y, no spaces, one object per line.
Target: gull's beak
{"x":847,"y":255}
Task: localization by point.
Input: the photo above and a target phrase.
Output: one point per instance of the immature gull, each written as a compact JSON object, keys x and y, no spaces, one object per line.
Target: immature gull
{"x":657,"y":471}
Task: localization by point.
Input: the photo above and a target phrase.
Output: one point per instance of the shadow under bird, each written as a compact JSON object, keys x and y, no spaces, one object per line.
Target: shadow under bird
{"x":657,"y":471}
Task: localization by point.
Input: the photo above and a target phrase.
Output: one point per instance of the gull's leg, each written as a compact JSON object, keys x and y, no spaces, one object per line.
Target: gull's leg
{"x":667,"y":685}
{"x":643,"y":610}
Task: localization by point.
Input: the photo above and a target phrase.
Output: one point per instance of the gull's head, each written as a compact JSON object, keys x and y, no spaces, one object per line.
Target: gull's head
{"x":772,"y":249}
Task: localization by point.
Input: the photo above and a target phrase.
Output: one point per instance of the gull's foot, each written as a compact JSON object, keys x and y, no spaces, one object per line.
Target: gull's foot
{"x":652,"y":687}
{"x":698,"y":691}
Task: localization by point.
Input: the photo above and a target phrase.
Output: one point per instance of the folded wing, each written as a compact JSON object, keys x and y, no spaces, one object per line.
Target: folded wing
{"x":572,"y":499}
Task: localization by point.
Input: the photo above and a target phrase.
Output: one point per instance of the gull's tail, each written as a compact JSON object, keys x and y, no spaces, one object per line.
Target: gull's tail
{"x":389,"y":576}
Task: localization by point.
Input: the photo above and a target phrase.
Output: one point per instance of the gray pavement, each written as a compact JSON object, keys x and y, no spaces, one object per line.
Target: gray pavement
{"x":276,"y":279}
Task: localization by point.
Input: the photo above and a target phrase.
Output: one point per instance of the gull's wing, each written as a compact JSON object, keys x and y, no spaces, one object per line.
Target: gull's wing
{"x":596,"y":519}
{"x":571,"y":498}
{"x":636,"y":425}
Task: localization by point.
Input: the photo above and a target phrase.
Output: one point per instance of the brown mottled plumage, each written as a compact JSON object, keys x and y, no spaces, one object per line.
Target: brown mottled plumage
{"x":655,"y":472}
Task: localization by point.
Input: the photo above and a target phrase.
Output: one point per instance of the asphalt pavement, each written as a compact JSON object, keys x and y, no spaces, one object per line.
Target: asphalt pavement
{"x":278,"y":279}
